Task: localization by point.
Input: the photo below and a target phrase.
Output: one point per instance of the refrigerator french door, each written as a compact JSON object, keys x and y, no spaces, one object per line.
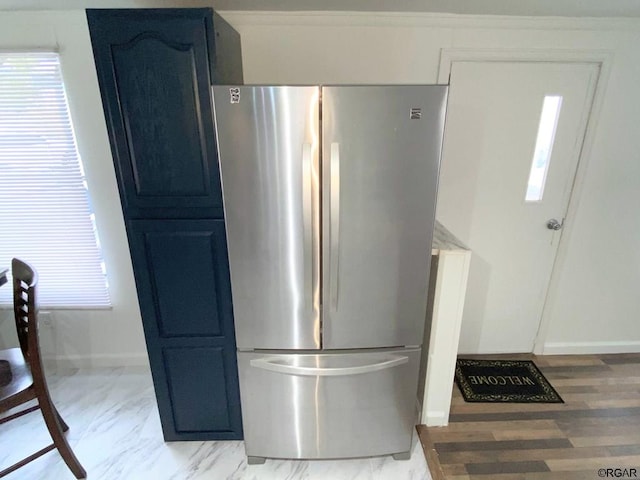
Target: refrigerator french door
{"x":329,"y":196}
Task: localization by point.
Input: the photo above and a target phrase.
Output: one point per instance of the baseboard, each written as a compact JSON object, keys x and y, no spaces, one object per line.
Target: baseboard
{"x":585,"y":348}
{"x":100,"y":360}
{"x":435,"y":419}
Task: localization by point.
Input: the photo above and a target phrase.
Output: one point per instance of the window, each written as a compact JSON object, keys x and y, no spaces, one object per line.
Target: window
{"x":45,"y":212}
{"x":544,"y":146}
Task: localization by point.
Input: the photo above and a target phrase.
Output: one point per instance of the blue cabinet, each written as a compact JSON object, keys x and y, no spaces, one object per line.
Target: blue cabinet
{"x":155,"y":68}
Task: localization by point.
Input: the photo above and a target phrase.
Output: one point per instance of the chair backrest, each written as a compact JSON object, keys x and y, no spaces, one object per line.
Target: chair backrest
{"x":25,"y":308}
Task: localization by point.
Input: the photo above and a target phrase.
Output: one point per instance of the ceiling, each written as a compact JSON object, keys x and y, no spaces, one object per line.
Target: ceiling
{"x":567,"y":8}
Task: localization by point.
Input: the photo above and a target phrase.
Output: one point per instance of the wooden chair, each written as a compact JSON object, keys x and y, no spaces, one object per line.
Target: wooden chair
{"x":22,"y":376}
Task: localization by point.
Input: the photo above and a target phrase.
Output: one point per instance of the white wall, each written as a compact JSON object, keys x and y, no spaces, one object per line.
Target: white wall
{"x":593,"y":298}
{"x":593,"y":304}
{"x":84,"y":337}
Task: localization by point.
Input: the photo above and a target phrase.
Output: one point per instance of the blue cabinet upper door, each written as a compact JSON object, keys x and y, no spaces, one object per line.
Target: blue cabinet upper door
{"x":155,"y":70}
{"x":182,"y":276}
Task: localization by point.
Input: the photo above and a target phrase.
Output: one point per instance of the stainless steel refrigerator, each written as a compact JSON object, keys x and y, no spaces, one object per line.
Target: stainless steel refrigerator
{"x":329,"y":197}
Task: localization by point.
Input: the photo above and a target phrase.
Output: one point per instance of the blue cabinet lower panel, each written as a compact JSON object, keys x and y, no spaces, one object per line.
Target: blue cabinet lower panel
{"x":196,"y":400}
{"x":189,"y":386}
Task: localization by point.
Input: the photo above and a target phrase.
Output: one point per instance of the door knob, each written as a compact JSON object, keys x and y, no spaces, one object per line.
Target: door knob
{"x":554,"y":224}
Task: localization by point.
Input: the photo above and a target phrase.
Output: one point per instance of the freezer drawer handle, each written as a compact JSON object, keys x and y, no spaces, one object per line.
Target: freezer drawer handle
{"x":270,"y":363}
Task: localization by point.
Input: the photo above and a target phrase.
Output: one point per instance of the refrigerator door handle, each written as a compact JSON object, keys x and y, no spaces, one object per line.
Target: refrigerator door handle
{"x":335,"y":224}
{"x":272,"y":364}
{"x":307,"y":220}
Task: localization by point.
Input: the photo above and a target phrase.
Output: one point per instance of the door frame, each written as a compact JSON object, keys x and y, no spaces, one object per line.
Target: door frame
{"x":602,"y":60}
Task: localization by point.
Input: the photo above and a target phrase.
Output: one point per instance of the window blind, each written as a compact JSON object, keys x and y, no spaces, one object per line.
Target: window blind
{"x":45,"y":212}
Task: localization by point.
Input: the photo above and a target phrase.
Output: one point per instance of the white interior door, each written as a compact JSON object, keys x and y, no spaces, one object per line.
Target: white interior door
{"x":498,"y":198}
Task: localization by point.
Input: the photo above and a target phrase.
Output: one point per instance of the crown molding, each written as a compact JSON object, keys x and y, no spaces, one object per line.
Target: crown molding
{"x":240,"y":18}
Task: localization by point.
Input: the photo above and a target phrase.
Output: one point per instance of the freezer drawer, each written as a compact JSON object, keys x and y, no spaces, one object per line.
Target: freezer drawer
{"x":329,"y":405}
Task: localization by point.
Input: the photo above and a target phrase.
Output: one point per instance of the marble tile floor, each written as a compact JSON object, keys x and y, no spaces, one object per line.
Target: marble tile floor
{"x":115,"y":433}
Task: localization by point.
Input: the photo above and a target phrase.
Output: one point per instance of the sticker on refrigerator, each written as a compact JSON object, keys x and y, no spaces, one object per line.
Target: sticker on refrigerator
{"x":415,"y":114}
{"x":234,"y":93}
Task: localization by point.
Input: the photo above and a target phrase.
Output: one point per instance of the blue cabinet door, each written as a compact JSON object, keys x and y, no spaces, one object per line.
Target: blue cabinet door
{"x":155,"y":69}
{"x":182,"y":276}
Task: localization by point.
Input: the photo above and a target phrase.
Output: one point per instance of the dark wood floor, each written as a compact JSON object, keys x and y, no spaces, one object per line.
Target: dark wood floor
{"x":597,"y":427}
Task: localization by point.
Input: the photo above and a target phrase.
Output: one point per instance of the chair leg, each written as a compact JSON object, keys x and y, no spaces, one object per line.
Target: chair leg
{"x":65,"y":427}
{"x":56,"y":425}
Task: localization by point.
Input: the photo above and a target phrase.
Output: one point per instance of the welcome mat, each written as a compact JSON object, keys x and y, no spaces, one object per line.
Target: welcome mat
{"x":516,"y":381}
